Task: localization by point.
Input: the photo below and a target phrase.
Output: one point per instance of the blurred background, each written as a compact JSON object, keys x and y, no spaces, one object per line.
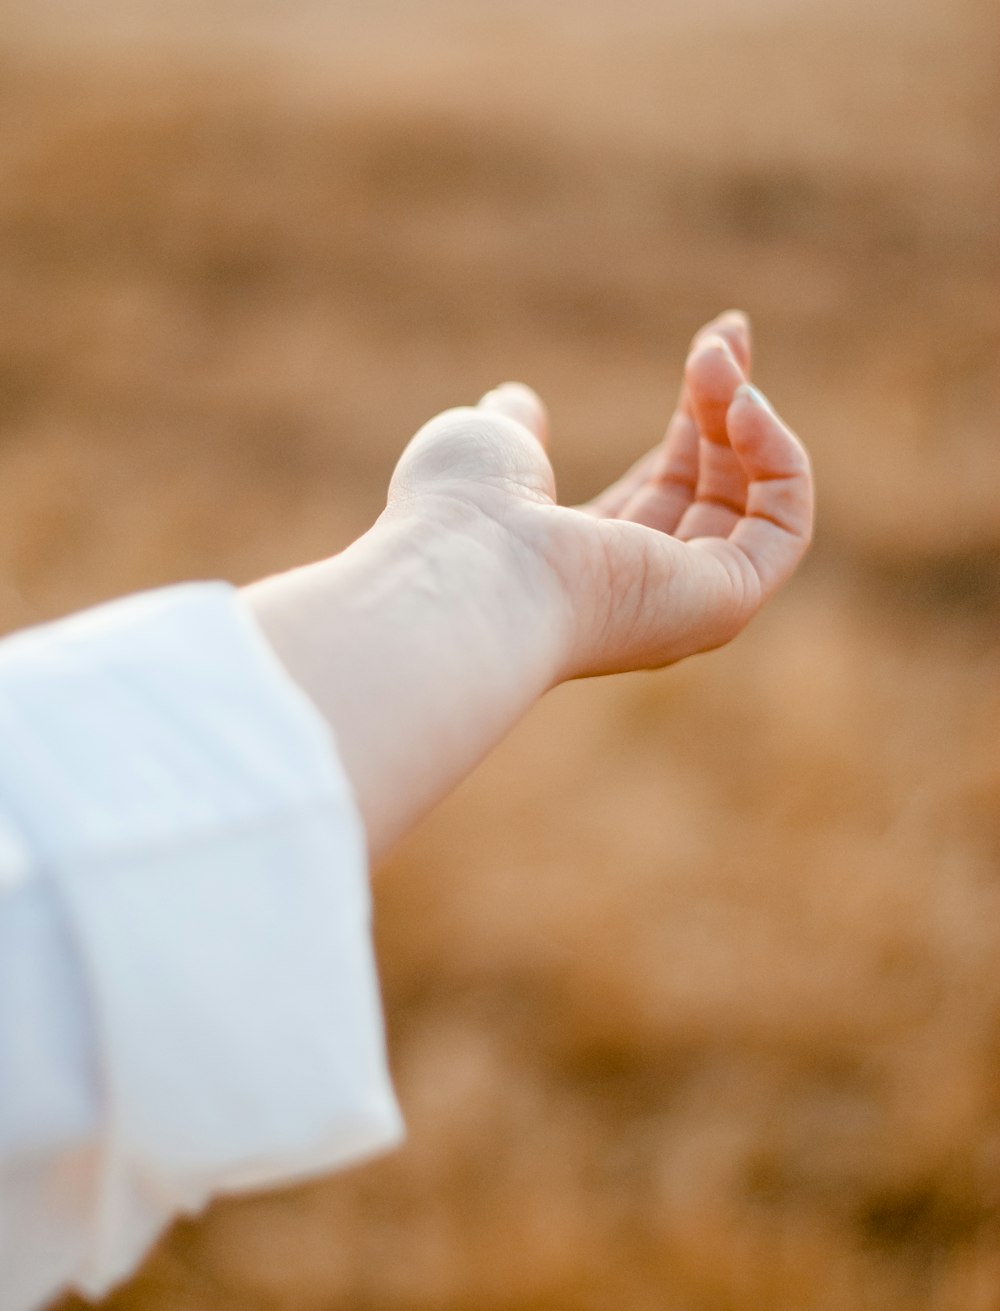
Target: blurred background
{"x":693,"y":991}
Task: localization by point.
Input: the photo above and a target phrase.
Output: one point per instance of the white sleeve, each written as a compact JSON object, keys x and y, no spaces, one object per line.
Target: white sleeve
{"x":188,"y":996}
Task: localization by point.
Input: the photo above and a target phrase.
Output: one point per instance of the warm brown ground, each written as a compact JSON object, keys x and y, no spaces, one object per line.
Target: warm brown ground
{"x":694,"y":990}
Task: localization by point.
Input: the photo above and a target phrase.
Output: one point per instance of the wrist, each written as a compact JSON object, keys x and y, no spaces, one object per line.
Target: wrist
{"x":482,"y":583}
{"x":422,"y":644}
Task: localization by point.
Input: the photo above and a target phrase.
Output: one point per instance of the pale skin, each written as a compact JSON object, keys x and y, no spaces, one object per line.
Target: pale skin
{"x":428,"y":638}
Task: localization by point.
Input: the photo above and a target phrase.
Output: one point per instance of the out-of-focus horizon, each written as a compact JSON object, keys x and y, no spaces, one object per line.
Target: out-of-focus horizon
{"x":693,"y":990}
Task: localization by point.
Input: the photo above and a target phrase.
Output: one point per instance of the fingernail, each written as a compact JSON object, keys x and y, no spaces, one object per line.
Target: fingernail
{"x":747,"y":391}
{"x":716,"y":342}
{"x":741,"y":316}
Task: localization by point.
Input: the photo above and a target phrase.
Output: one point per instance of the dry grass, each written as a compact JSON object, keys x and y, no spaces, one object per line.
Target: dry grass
{"x":694,"y":989}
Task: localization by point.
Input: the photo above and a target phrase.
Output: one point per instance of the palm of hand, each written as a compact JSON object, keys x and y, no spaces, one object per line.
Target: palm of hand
{"x":674,"y":558}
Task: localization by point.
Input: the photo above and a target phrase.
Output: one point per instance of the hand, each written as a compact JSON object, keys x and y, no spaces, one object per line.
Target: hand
{"x":427,"y":639}
{"x":674,"y":558}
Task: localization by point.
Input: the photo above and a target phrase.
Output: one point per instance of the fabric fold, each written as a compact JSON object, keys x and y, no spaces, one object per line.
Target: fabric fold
{"x":183,"y":818}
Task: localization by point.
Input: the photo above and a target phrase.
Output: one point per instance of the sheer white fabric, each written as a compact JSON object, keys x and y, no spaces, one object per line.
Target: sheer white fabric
{"x":188,"y":995}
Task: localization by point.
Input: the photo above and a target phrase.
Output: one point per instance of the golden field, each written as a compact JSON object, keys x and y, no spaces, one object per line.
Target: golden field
{"x":693,"y":990}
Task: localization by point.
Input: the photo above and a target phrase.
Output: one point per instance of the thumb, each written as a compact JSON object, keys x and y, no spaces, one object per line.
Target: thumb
{"x":500,"y":440}
{"x":520,"y":402}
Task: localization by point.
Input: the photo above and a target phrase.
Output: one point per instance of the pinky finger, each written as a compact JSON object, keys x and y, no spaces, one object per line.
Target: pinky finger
{"x":776,"y":527}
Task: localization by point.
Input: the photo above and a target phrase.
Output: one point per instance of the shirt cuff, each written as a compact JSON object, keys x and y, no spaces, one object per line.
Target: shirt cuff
{"x":188,"y":812}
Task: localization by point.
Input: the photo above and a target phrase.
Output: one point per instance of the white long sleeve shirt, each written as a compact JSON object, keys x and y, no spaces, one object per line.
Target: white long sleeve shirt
{"x":188,"y":996}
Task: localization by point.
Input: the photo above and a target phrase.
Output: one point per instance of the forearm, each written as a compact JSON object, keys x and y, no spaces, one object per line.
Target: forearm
{"x":421,"y":647}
